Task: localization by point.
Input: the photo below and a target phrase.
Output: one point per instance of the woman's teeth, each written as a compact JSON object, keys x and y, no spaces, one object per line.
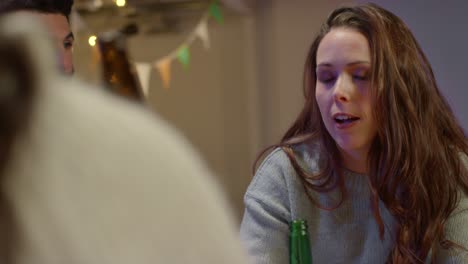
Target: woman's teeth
{"x":341,"y":119}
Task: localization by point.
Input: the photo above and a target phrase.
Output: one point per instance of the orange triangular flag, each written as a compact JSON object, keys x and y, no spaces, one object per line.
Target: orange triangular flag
{"x":164,"y":68}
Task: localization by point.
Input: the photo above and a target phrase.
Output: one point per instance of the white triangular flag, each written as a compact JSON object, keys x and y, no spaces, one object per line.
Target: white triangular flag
{"x":143,"y":70}
{"x":202,"y":32}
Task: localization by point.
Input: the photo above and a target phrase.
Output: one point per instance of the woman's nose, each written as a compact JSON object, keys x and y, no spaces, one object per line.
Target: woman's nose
{"x":343,"y":88}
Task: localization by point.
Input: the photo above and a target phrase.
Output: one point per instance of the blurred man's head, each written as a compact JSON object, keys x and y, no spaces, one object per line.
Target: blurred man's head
{"x":55,"y":15}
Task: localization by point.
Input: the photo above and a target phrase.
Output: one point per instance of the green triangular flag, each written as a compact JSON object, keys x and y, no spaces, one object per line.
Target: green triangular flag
{"x":215,"y":12}
{"x":184,"y":55}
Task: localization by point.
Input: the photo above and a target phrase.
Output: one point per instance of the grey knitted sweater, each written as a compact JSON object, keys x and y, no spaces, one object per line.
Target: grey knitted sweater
{"x":348,"y":234}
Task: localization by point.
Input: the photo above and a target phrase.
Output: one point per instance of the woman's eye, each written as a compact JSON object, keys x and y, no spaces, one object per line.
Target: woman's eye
{"x":361,"y":77}
{"x":361,"y":74}
{"x":326,"y":78}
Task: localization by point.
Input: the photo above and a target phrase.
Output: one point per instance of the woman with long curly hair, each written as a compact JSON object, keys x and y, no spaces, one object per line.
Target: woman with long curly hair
{"x":375,"y":162}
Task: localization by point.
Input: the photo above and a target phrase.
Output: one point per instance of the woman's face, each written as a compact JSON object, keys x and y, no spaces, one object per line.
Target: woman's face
{"x":342,"y":90}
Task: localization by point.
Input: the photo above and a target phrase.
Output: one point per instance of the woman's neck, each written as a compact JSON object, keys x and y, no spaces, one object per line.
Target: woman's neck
{"x":355,"y":160}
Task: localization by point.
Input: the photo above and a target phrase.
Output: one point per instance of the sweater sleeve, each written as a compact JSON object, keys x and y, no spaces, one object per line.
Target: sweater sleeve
{"x":456,"y":230}
{"x":265,"y":229}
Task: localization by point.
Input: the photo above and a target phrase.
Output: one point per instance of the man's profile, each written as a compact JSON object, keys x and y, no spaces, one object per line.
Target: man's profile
{"x":55,"y":16}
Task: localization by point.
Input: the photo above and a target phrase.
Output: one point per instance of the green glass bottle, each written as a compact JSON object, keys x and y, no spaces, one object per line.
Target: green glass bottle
{"x":299,"y":243}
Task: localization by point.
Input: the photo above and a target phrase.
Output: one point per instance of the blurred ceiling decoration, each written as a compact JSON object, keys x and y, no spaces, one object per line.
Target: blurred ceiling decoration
{"x":141,"y":5}
{"x":151,"y":16}
{"x":236,"y":5}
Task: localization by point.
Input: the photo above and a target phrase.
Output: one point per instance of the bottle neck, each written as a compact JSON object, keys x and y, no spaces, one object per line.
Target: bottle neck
{"x":299,"y":226}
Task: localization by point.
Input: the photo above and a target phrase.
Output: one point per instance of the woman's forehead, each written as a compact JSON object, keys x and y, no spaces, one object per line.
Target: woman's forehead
{"x":342,"y":46}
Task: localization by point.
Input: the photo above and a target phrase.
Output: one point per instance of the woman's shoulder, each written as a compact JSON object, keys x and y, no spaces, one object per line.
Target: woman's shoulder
{"x":456,"y":228}
{"x":277,"y":169}
{"x":462,"y":204}
{"x":464,"y":159}
{"x":464,"y":193}
{"x":271,"y":171}
{"x":307,"y":155}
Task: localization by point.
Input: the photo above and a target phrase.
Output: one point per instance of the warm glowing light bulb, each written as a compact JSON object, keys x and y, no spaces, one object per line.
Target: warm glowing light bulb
{"x":92,"y":41}
{"x":120,"y":3}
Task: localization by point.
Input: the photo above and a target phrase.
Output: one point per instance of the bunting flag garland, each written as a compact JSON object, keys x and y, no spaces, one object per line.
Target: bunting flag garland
{"x":164,"y":68}
{"x":202,"y":33}
{"x":144,"y":73}
{"x":215,"y":11}
{"x":163,"y":65}
{"x":184,"y":55}
{"x":182,"y":52}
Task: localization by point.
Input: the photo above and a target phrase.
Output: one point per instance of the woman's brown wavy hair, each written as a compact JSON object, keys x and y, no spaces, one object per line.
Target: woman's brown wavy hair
{"x":414,"y":163}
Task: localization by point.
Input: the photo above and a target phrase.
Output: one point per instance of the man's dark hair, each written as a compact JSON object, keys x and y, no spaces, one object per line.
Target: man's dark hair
{"x":42,"y":6}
